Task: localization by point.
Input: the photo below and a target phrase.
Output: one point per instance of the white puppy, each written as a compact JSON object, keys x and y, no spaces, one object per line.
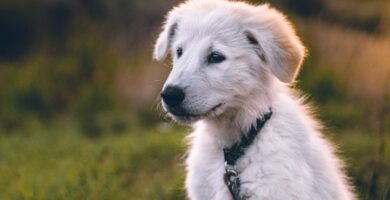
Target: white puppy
{"x":233,"y":63}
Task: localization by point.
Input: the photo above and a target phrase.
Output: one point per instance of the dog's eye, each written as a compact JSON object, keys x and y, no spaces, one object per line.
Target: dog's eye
{"x":215,"y":57}
{"x":179,"y":52}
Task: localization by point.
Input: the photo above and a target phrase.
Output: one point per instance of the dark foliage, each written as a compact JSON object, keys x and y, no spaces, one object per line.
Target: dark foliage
{"x":17,"y":34}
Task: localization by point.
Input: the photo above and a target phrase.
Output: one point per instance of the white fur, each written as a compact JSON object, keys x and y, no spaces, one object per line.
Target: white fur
{"x":289,"y":158}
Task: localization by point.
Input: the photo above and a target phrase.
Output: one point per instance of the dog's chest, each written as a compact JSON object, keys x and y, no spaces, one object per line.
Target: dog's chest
{"x":206,"y":169}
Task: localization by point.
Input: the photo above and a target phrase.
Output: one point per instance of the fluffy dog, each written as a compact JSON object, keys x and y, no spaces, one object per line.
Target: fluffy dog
{"x":234,"y":62}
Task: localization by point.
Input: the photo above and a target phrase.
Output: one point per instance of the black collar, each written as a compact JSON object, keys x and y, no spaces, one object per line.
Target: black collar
{"x":233,"y":153}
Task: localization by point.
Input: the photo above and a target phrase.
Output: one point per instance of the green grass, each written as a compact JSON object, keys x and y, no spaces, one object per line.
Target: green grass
{"x":60,"y":164}
{"x":367,"y":164}
{"x":141,"y":164}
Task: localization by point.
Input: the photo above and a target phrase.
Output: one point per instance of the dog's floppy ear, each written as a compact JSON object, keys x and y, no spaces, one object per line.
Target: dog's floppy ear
{"x":277,"y":43}
{"x":165,"y":38}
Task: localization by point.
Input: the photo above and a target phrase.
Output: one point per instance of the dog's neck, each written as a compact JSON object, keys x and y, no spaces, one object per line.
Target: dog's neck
{"x":237,"y":120}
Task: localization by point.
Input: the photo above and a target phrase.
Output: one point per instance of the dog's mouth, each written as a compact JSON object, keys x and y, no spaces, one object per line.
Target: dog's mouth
{"x":181,"y":115}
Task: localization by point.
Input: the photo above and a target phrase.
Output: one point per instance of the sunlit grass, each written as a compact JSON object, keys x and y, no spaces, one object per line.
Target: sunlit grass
{"x":61,"y":164}
{"x":367,"y":164}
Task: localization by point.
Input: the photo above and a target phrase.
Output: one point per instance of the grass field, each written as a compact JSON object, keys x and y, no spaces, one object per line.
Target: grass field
{"x":141,"y":164}
{"x":61,"y":164}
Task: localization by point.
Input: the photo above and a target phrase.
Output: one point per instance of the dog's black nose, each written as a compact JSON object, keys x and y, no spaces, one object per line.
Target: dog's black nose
{"x":173,"y":96}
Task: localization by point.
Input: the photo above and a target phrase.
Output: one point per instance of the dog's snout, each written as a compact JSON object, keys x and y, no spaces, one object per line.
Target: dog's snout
{"x":173,"y":96}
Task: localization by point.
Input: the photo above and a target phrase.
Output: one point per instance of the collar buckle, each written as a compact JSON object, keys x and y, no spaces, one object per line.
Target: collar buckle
{"x":232,"y":181}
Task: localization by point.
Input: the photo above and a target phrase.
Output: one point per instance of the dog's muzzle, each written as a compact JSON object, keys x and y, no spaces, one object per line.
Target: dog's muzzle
{"x":173,"y":97}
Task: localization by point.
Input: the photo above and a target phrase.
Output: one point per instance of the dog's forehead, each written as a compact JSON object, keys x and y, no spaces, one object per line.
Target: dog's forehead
{"x":215,"y":24}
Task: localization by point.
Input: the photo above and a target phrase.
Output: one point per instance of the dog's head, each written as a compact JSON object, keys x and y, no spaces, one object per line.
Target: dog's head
{"x":222,"y":53}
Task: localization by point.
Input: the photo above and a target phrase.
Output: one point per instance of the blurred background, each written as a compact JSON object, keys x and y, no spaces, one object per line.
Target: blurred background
{"x":79,"y":93}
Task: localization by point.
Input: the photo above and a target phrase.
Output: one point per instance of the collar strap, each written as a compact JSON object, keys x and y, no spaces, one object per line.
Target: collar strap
{"x":233,"y":153}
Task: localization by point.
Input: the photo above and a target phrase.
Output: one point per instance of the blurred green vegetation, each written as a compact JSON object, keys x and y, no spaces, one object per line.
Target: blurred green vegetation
{"x":79,"y":115}
{"x":53,"y":164}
